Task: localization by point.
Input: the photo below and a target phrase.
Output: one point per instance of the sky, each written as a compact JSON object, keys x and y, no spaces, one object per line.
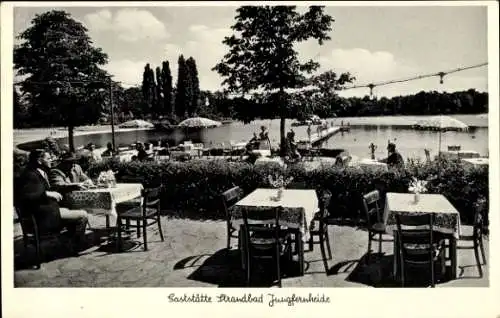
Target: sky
{"x":375,"y":44}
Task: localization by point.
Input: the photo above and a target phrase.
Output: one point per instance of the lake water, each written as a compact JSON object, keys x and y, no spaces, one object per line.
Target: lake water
{"x":364,"y":130}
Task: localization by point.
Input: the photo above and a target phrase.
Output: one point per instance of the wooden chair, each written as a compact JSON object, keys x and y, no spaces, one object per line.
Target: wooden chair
{"x":322,"y":230}
{"x":228,"y":200}
{"x":149,"y":211}
{"x":374,"y":222}
{"x":418,"y":247}
{"x":477,"y":236}
{"x":264,"y":239}
{"x":32,"y":234}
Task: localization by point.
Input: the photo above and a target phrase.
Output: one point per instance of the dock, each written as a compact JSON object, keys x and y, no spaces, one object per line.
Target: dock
{"x":322,"y":136}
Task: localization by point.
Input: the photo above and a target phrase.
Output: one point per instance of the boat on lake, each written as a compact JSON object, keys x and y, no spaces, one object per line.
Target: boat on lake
{"x":311,"y":120}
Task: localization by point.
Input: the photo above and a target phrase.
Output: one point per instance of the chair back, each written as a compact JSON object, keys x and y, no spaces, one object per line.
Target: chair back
{"x":478,"y":227}
{"x":262,"y":223}
{"x":418,"y":240}
{"x":151,"y":197}
{"x":324,"y":204}
{"x":371,"y":205}
{"x":229,"y":199}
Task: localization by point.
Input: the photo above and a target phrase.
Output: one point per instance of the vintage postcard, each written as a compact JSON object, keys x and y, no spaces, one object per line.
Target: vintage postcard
{"x":250,"y":157}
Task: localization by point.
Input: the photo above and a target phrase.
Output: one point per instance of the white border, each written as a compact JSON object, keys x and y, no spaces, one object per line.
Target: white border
{"x":345,"y":302}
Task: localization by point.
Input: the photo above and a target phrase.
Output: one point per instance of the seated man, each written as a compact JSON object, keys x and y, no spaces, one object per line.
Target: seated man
{"x":394,"y":160}
{"x":109,"y":152}
{"x":33,"y":196}
{"x":68,"y":175}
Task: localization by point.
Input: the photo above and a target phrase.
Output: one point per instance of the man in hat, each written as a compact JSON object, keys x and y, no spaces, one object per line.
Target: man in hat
{"x":68,"y":173}
{"x":34,"y":196}
{"x":394,"y":160}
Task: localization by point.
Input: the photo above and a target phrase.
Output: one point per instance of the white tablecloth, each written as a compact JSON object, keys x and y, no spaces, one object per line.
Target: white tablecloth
{"x":103,"y":200}
{"x":300,"y":207}
{"x":447,"y":218}
{"x":369,"y":164}
{"x":456,"y":154}
{"x":267,"y":160}
{"x":476,"y":162}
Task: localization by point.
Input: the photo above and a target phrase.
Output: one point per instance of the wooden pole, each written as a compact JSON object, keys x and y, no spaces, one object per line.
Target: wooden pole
{"x":112,"y":114}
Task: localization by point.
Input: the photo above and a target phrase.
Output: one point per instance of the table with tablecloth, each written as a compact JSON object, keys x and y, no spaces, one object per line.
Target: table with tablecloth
{"x":446,"y":217}
{"x":102,"y":201}
{"x":267,"y":160}
{"x":369,"y":164}
{"x":299,"y":209}
{"x":460,"y":154}
{"x":476,"y":162}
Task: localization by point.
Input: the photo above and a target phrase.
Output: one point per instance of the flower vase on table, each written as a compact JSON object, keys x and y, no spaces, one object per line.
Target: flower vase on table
{"x":107,"y":179}
{"x":417,"y":187}
{"x":279,"y":183}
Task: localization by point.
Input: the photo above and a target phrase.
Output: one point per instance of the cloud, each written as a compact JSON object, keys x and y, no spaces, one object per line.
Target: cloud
{"x":129,"y":25}
{"x":204,"y":44}
{"x":126,"y":71}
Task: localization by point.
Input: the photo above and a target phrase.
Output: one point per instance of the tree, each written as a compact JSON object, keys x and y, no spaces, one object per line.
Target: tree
{"x":166,"y":80}
{"x":183,"y":91}
{"x":262,"y":54}
{"x":63,"y":71}
{"x":194,"y":86}
{"x":148,"y":88}
{"x":159,"y":93}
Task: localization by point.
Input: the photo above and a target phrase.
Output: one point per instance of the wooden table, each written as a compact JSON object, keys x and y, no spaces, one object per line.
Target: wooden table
{"x":447,"y":219}
{"x":300,"y":207}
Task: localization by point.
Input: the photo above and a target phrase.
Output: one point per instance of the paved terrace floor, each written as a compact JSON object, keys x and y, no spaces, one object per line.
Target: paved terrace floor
{"x":194,"y":255}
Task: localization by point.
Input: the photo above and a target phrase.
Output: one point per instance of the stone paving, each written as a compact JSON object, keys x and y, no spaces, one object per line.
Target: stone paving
{"x":194,"y":255}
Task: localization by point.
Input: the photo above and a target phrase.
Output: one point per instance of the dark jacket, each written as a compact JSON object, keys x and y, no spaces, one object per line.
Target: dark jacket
{"x":31,"y":198}
{"x":395,"y":160}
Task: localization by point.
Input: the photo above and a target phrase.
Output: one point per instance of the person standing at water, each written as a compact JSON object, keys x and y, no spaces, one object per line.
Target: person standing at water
{"x":309,"y":132}
{"x":394,"y":160}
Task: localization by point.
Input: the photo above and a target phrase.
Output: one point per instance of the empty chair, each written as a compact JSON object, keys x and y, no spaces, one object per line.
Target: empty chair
{"x":418,"y":247}
{"x":146,"y":215}
{"x":477,"y":235}
{"x":322,"y":230}
{"x":228,"y":200}
{"x":265,"y":240}
{"x":374,"y":222}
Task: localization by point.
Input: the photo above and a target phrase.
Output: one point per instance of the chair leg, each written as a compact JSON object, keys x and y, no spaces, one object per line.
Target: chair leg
{"x":159,"y":227}
{"x":327,"y":238}
{"x":278,"y":265}
{"x":478,"y":261}
{"x":119,"y":234}
{"x":402,"y":272}
{"x":433,"y":283}
{"x":138,"y":225}
{"x":144,"y":234}
{"x":38,"y":252}
{"x":482,"y":250}
{"x":380,"y":244}
{"x":369,"y":247}
{"x":228,"y":238}
{"x":311,"y":243}
{"x":323,"y":253}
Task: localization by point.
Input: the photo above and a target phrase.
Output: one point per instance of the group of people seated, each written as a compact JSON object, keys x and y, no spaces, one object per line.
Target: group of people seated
{"x":256,"y":140}
{"x":40,"y":190}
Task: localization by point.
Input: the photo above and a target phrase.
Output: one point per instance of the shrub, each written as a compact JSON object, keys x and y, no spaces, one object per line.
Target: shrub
{"x":192,"y":188}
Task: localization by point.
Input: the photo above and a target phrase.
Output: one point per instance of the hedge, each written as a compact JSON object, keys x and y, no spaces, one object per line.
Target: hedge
{"x":192,"y":188}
